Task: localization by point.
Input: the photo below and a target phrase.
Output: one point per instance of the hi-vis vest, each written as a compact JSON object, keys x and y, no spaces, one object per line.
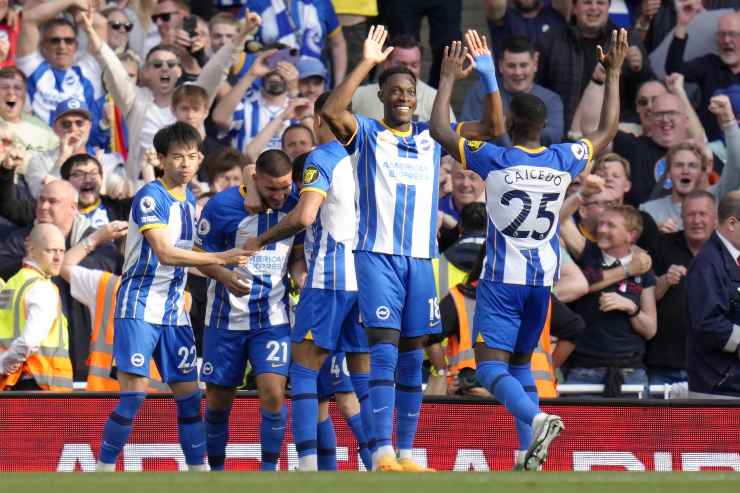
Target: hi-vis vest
{"x":460,"y":352}
{"x":100,"y":360}
{"x":446,"y":275}
{"x":50,"y":366}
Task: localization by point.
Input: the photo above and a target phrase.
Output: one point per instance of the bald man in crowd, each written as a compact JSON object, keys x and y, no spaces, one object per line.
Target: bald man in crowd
{"x":31,"y":318}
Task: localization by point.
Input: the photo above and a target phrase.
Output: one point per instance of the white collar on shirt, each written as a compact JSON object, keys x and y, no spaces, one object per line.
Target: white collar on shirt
{"x":609,"y":260}
{"x":734,"y":252}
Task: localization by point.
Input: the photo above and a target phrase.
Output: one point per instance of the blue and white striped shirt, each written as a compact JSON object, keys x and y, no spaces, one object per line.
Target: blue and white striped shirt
{"x":329,"y":241}
{"x":525,"y":189}
{"x":150,"y":291}
{"x":224,"y":224}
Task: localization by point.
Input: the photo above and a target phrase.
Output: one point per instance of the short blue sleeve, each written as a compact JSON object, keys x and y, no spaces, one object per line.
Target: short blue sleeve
{"x":316,"y":176}
{"x":574,"y":156}
{"x":150,"y":209}
{"x":365,"y":126}
{"x":210,"y":236}
{"x":480,"y":156}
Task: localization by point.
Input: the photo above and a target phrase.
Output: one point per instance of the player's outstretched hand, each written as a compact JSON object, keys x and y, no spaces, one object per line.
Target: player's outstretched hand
{"x":236,"y":284}
{"x":453,"y":62}
{"x":482,"y":59}
{"x":372,"y":50}
{"x":235,"y":256}
{"x":614,"y":58}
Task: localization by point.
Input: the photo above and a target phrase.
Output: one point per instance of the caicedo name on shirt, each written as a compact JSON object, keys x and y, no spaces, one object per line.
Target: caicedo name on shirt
{"x":522,"y":174}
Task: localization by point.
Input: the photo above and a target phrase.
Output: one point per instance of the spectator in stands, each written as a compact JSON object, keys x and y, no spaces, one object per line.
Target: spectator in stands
{"x":223,"y":28}
{"x":119,"y":28}
{"x":312,"y":27}
{"x":33,"y":134}
{"x":710,"y":72}
{"x":528,"y":18}
{"x":38,"y":357}
{"x":47,"y":51}
{"x":567,"y":56}
{"x":224,"y":169}
{"x":666,"y":352}
{"x":147,"y":109}
{"x":517,"y":65}
{"x":621,"y":317}
{"x":685,"y":168}
{"x":167,"y":15}
{"x":467,"y":188}
{"x":444,"y":17}
{"x":71,"y":122}
{"x":353,"y":16}
{"x":407,"y":53}
{"x":297,"y":139}
{"x":713,"y":304}
{"x":312,"y":78}
{"x":245,"y":113}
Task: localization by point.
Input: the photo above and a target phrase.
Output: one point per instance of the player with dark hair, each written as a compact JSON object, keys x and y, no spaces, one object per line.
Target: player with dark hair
{"x":150,"y":319}
{"x":525,"y":188}
{"x":397,"y":178}
{"x":247,"y":312}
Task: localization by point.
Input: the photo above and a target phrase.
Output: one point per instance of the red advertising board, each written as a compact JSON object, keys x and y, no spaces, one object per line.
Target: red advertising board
{"x":54,"y":433}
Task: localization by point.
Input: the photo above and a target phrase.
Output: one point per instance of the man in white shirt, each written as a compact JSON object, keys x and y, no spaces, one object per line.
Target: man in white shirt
{"x":46,"y":53}
{"x":42,"y":309}
{"x":407,"y":53}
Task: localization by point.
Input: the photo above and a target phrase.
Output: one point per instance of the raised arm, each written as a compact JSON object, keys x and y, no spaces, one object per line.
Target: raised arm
{"x":452,"y":69}
{"x":674,"y":83}
{"x":588,"y":112}
{"x":491,"y":124}
{"x":340,"y":120}
{"x":108,"y":232}
{"x":32,"y":19}
{"x":338,"y":50}
{"x":223,"y":113}
{"x":259,"y":142}
{"x":609,"y":121}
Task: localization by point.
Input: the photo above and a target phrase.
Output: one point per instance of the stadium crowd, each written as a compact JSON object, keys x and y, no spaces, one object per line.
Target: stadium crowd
{"x":85,"y":86}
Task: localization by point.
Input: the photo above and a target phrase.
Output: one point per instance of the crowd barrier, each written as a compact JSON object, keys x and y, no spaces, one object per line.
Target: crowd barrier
{"x":53,"y":432}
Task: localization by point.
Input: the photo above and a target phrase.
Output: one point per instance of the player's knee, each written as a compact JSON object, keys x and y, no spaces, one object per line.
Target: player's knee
{"x":412,"y":343}
{"x":219,"y":398}
{"x":272,"y":398}
{"x":358,"y":362}
{"x":347,"y":404}
{"x":377,"y":336}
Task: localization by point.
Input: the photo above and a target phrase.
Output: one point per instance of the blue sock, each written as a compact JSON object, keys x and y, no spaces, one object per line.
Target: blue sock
{"x":495,"y":376}
{"x":272,"y":431}
{"x":383,"y":358}
{"x":217,"y":436}
{"x":408,"y":397}
{"x":305,"y":415}
{"x":361,"y":383}
{"x":190,"y":428}
{"x":523,"y":373}
{"x":327,"y":445}
{"x":355,"y":424}
{"x":118,"y":426}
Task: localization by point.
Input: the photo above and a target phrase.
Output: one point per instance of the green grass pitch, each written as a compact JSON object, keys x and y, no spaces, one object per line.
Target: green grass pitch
{"x":623,"y":482}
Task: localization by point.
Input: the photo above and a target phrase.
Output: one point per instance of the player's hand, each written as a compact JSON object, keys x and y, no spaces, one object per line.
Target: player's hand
{"x":668,"y":226}
{"x":478,"y":48}
{"x":592,"y":185}
{"x":634,"y":58}
{"x":722,"y":109}
{"x":252,"y":245}
{"x":641,"y":262}
{"x":259,"y":67}
{"x":372,"y":50}
{"x":609,"y":302}
{"x":236,"y":284}
{"x":235,"y":256}
{"x":614,"y":58}
{"x":674,"y":274}
{"x":453,"y":62}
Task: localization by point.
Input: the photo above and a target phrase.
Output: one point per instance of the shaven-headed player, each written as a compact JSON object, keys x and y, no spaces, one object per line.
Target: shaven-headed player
{"x":150,"y":319}
{"x":247,"y":315}
{"x":525,"y":187}
{"x":326,"y":317}
{"x":397,"y":177}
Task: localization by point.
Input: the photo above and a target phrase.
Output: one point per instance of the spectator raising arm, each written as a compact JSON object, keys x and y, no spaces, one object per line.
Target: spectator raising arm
{"x":674,"y":84}
{"x":260,"y":141}
{"x":107,"y":233}
{"x":32,"y":19}
{"x":338,"y":51}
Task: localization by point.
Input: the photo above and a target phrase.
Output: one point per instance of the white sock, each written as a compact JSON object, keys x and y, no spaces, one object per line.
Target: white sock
{"x":404,"y":453}
{"x":308,"y":463}
{"x":381,"y":451}
{"x":198,"y":467}
{"x":519,"y":456}
{"x":103,"y":467}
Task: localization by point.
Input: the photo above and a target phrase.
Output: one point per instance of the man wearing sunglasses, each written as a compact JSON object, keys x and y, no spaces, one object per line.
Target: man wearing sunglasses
{"x":46,"y":53}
